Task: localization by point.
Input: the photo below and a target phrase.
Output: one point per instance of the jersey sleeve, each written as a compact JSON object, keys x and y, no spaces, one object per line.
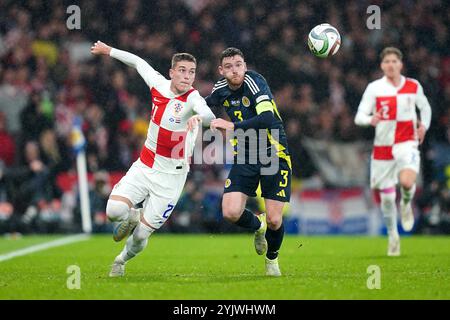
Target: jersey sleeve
{"x":150,"y":75}
{"x":212,"y":100}
{"x":366,"y":106}
{"x":424,"y":107}
{"x":261,"y":92}
{"x":215,"y":105}
{"x":201,"y":108}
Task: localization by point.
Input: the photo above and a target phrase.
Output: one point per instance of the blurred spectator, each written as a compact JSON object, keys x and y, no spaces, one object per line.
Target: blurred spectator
{"x":7,"y":143}
{"x":98,"y":197}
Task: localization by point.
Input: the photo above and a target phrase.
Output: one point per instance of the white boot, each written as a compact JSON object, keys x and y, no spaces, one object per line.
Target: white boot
{"x":394,"y":246}
{"x":272,"y":268}
{"x":260,"y":235}
{"x":407,"y":216}
{"x":118,"y":268}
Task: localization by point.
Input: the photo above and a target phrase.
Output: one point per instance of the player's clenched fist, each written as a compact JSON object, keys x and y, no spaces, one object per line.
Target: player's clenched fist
{"x":376,"y":118}
{"x":421,"y":130}
{"x":100,"y":48}
{"x":193,"y":122}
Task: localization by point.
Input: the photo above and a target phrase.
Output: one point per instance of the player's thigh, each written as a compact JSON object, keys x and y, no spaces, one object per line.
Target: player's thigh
{"x":277,"y":186}
{"x":383,"y":174}
{"x":408,"y":164}
{"x":133,"y":186}
{"x":243,"y":178}
{"x":164,"y":194}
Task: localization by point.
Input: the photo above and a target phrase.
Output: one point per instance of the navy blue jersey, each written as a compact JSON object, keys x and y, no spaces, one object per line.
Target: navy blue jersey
{"x":252,"y":98}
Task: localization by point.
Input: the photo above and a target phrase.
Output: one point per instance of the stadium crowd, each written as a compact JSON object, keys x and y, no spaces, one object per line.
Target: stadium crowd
{"x":48,"y":76}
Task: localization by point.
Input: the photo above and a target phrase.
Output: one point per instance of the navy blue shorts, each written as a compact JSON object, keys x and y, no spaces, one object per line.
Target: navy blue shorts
{"x":245,"y":178}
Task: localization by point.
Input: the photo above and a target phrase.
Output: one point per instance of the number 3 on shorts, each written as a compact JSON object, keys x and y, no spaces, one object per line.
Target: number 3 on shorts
{"x":284,"y":174}
{"x":166,"y":213}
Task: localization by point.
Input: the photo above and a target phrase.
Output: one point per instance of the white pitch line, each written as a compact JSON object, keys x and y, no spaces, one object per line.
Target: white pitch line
{"x":43,"y":246}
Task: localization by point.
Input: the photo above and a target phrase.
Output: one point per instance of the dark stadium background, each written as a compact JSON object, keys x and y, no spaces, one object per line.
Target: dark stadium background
{"x":48,"y":76}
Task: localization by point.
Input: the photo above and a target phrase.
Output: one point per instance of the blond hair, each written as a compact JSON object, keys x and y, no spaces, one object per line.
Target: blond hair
{"x":391,"y":50}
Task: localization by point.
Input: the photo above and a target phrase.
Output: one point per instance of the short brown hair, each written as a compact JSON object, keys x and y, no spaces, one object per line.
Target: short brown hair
{"x":391,"y":50}
{"x":230,"y":52}
{"x":183,"y":56}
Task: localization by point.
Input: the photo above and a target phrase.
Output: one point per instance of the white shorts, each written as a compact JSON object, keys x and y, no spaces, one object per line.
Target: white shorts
{"x":160,"y":191}
{"x":384,"y":173}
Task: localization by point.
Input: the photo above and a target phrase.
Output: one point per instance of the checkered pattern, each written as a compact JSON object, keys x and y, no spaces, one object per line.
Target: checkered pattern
{"x":398,"y":115}
{"x":165,"y":143}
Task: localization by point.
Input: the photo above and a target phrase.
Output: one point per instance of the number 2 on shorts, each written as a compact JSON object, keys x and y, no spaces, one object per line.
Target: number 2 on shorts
{"x":167,"y":212}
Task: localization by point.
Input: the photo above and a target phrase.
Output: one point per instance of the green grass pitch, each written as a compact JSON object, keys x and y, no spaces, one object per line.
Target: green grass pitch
{"x":226,"y":267}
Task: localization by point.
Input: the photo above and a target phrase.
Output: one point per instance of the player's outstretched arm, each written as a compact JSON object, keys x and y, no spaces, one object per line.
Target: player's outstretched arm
{"x":147,"y":73}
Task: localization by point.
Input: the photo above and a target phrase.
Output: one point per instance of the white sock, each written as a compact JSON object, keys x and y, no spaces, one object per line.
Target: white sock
{"x":136,"y":242}
{"x":408,"y":195}
{"x":389,"y":210}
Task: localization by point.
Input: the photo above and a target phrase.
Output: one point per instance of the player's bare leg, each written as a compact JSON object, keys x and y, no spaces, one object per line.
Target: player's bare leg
{"x":135,"y":244}
{"x":233,"y":208}
{"x":274,"y":235}
{"x":407,"y":178}
{"x":120,"y":209}
{"x":389,"y":210}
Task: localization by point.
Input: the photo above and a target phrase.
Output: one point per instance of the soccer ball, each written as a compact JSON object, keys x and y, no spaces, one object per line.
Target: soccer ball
{"x":324,"y":40}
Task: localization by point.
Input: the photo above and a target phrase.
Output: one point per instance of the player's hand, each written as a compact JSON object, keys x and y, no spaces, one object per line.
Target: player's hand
{"x":375,"y":119}
{"x":221,"y":124}
{"x":100,"y":48}
{"x":421,"y":130}
{"x":193,"y":122}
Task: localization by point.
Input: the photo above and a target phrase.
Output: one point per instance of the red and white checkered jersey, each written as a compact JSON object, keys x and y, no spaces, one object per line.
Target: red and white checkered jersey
{"x":165,"y":146}
{"x":398,"y":122}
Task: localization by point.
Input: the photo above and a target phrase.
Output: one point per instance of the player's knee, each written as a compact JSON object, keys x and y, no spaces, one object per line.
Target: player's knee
{"x":142,"y":232}
{"x":407,"y":183}
{"x":231,"y":213}
{"x":117,"y":210}
{"x":407,"y":178}
{"x":274,"y":221}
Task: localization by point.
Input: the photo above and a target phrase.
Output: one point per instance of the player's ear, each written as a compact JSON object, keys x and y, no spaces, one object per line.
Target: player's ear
{"x":245,"y":66}
{"x":171,"y":73}
{"x":220,"y":70}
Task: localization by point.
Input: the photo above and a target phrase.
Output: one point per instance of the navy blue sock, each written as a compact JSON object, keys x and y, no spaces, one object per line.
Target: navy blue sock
{"x":248,"y":220}
{"x":274,"y":239}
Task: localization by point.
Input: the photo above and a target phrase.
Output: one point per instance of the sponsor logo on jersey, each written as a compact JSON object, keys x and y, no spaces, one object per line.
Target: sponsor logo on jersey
{"x":235,"y":103}
{"x":227,"y":183}
{"x":246,"y":101}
